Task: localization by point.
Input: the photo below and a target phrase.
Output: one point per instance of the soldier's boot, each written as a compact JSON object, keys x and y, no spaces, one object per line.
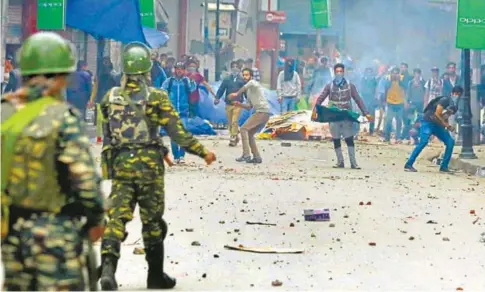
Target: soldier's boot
{"x":108,"y":270}
{"x":100,"y":268}
{"x":157,"y":279}
{"x":340,"y":158}
{"x":353,"y":160}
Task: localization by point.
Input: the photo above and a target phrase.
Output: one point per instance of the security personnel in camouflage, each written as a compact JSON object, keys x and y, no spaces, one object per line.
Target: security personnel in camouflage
{"x":133,"y":158}
{"x":51,"y":200}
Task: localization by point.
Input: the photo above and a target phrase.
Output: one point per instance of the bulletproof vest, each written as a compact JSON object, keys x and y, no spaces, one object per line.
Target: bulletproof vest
{"x":128,"y":125}
{"x":33,"y":180}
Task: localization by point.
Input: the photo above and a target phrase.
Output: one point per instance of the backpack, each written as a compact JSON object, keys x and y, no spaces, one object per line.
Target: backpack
{"x":185,"y":80}
{"x":432,"y":103}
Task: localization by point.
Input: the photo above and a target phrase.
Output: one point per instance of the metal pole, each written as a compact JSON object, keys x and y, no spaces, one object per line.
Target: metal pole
{"x":466,"y":127}
{"x":218,"y":45}
{"x":206,"y":38}
{"x":475,"y":98}
{"x":3,"y":27}
{"x":318,"y":38}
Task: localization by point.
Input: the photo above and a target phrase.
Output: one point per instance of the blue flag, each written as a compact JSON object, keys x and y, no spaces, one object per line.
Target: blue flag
{"x":118,"y":20}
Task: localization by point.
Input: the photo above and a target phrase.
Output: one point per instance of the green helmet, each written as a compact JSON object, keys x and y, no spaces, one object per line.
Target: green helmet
{"x":136,"y":58}
{"x":46,"y":53}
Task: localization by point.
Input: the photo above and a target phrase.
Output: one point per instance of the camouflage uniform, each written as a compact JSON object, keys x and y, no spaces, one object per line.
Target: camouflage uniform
{"x":133,"y":158}
{"x":51,"y":182}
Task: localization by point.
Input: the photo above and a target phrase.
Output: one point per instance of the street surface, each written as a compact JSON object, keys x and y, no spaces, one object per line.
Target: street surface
{"x":421,"y":223}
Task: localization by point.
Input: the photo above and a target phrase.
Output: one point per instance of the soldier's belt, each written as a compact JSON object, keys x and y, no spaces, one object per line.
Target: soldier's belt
{"x":135,"y":146}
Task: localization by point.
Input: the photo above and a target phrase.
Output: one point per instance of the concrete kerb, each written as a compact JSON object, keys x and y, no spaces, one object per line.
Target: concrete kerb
{"x":469,"y":166}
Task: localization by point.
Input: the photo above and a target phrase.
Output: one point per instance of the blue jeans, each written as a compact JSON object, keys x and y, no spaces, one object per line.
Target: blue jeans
{"x":393,"y":111}
{"x":428,"y":129}
{"x":288,"y":104}
{"x":177,"y":151}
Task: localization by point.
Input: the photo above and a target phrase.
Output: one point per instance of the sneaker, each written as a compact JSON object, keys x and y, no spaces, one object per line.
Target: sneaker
{"x":182,"y":160}
{"x":339,"y":165}
{"x":446,"y":170}
{"x":355,"y":166}
{"x":176,"y":161}
{"x":243,"y":159}
{"x":409,"y":168}
{"x":255,"y":160}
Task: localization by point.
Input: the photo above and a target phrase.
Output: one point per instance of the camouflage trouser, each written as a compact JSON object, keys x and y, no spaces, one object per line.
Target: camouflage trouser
{"x":124,"y":197}
{"x":44,"y":253}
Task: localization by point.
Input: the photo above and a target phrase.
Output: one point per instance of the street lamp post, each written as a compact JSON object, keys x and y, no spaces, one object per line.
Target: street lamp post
{"x":466,"y":125}
{"x":206,"y":38}
{"x":218,"y":42}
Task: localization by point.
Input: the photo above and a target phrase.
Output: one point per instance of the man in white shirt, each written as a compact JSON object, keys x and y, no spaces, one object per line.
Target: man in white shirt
{"x":257,"y":121}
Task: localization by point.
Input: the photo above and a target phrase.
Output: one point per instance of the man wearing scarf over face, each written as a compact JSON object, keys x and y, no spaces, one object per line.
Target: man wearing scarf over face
{"x":340,"y":93}
{"x":288,"y":87}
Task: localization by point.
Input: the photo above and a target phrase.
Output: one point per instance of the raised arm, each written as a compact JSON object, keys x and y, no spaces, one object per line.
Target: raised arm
{"x":161,"y":110}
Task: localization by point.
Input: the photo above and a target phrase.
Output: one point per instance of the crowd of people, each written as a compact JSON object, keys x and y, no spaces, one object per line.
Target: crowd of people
{"x":407,"y":101}
{"x":50,"y":214}
{"x":397,"y":101}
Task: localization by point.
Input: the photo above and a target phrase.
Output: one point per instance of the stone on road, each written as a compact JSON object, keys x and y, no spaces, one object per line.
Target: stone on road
{"x":416,"y":234}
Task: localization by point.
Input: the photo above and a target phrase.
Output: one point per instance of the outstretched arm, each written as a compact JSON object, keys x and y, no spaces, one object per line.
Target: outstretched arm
{"x":162,"y":111}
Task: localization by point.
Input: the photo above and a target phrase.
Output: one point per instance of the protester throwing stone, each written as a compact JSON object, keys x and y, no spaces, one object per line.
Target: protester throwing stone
{"x":435,"y":122}
{"x":257,"y":121}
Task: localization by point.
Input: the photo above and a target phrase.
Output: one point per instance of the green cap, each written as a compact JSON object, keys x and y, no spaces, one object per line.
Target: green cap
{"x":136,"y":58}
{"x":46,"y":53}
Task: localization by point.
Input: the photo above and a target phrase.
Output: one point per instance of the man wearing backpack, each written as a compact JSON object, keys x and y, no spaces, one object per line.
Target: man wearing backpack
{"x":435,"y":122}
{"x":179,"y":87}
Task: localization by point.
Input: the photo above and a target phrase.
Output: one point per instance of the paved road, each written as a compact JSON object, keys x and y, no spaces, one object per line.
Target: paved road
{"x":410,"y":254}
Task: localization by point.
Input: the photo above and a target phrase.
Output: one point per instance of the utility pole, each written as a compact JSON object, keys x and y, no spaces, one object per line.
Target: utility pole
{"x":466,"y":126}
{"x":206,"y":38}
{"x":3,"y":28}
{"x":318,"y":38}
{"x":475,"y":98}
{"x":218,"y":42}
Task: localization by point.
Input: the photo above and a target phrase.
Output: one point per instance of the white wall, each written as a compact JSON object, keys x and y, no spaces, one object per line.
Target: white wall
{"x":172,"y":8}
{"x":247,"y":42}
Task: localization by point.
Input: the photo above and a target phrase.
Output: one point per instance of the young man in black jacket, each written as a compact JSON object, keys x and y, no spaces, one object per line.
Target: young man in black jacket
{"x":231,"y":84}
{"x":435,"y":122}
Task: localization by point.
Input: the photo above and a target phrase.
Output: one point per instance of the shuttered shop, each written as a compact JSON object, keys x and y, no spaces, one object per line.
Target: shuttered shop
{"x":14,"y":24}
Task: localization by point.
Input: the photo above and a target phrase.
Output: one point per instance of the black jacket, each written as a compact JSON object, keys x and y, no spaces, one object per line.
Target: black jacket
{"x":230,"y":85}
{"x":14,"y":81}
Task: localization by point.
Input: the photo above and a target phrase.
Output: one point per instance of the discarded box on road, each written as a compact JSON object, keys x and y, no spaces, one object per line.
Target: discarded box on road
{"x":316,"y":214}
